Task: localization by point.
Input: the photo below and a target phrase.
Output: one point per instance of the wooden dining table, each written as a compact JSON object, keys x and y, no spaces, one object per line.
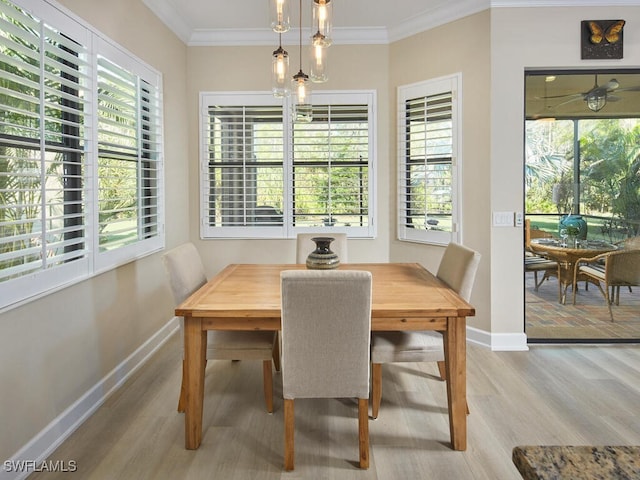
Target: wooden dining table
{"x":405,"y":296}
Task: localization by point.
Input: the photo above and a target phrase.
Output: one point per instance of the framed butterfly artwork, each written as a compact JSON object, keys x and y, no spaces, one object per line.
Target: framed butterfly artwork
{"x":601,"y":39}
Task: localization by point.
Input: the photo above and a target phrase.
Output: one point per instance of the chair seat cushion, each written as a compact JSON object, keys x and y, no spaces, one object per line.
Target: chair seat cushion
{"x":406,"y":346}
{"x":238,"y":345}
{"x":593,"y":271}
{"x":539,"y":263}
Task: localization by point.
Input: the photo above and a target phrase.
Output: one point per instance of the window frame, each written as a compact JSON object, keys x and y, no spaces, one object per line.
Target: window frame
{"x":432,"y":87}
{"x":287,"y":229}
{"x":74,"y":268}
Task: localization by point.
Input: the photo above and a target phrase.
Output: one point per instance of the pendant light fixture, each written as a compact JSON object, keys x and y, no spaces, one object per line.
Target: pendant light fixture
{"x":321,"y":39}
{"x":302,"y":107}
{"x":321,"y":22}
{"x":321,"y":26}
{"x":318,"y":62}
{"x":280,"y":71}
{"x":279,"y":13}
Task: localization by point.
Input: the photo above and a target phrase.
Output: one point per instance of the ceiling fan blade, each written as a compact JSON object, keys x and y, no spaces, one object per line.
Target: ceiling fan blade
{"x":611,"y":85}
{"x":577,"y":95}
{"x":629,"y":89}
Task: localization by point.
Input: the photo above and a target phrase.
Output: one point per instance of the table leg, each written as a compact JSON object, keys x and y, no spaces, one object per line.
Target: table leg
{"x":565,"y":278}
{"x":456,"y":363}
{"x":195,"y":351}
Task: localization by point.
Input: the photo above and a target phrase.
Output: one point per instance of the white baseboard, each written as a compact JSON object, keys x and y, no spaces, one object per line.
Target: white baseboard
{"x":46,"y":441}
{"x":502,"y":342}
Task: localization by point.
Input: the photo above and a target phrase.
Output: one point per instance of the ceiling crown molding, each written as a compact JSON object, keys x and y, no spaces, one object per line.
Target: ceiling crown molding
{"x":264,"y":36}
{"x":227,"y":37}
{"x":441,"y":15}
{"x":171,"y":18}
{"x":435,"y":17}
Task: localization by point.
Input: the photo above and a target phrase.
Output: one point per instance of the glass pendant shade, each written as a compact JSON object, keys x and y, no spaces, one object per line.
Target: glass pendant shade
{"x":280,"y":73}
{"x":302,"y":107}
{"x":318,"y":71}
{"x":321,"y":22}
{"x":279,"y":13}
{"x":595,"y":102}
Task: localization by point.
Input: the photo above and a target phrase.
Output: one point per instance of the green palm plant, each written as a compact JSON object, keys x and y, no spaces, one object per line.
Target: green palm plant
{"x":612,"y":169}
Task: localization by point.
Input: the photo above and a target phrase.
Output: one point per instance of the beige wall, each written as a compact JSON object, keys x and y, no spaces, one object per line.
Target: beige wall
{"x":463,"y":47}
{"x":53,"y":350}
{"x":530,"y":38}
{"x":247,"y":68}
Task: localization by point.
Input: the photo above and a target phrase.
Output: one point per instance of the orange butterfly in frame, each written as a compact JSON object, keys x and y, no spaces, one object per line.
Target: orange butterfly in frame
{"x":611,"y":34}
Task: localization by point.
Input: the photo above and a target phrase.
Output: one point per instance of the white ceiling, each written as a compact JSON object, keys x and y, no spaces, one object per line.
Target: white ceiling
{"x":245,"y":22}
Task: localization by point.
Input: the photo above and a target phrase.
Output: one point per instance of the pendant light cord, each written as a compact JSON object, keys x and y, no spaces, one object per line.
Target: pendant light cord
{"x":300,"y":31}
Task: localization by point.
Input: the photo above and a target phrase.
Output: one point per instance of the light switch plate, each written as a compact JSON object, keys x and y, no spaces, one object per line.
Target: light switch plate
{"x":503,"y":219}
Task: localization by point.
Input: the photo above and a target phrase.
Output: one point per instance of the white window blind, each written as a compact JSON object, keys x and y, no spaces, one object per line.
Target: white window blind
{"x":266,"y":177}
{"x":80,"y":152}
{"x":244,"y":169}
{"x":43,"y":90}
{"x":128,"y":157}
{"x":331,"y":167}
{"x":428,"y":173}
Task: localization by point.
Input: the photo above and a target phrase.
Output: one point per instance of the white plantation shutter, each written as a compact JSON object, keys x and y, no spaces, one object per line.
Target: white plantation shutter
{"x":266,"y":177}
{"x":428,"y":162}
{"x":80,"y":153}
{"x":243,"y":149}
{"x":331,"y":167}
{"x":128,"y":157}
{"x":44,"y":80}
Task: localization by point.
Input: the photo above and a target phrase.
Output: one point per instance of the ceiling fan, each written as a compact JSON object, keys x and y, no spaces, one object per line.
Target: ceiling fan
{"x":598,"y":96}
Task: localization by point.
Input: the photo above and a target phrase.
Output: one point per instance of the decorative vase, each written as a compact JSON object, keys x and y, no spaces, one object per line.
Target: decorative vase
{"x":574,"y":221}
{"x":322,"y":258}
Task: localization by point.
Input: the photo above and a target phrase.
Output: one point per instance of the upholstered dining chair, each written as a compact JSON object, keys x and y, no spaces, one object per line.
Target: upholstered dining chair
{"x":457,"y":269}
{"x":186,"y":275}
{"x":304,"y":245}
{"x":326,"y":331}
{"x":621,"y":269}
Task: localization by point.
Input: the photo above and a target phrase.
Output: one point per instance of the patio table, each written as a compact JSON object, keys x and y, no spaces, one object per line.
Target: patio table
{"x":567,"y":258}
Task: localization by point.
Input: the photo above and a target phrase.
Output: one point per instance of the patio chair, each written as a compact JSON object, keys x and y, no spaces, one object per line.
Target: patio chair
{"x":534,"y":262}
{"x":631,"y":243}
{"x":621,"y":268}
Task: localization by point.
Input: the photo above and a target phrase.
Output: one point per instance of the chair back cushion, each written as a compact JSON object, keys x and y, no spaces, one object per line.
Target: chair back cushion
{"x":326,"y":331}
{"x":623,"y":268}
{"x":458,"y":268}
{"x":304,"y":245}
{"x":186,"y":273}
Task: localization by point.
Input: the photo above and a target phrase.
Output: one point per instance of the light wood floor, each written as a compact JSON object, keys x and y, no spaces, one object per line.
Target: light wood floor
{"x":552,"y":395}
